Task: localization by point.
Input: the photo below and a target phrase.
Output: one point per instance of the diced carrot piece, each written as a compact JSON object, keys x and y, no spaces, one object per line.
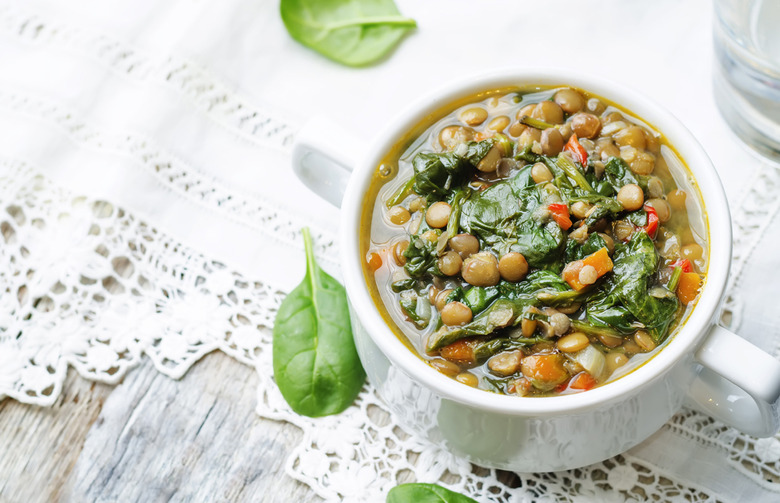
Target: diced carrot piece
{"x":583,"y":381}
{"x":688,"y":287}
{"x":547,"y":368}
{"x":571,"y":274}
{"x":459,"y":351}
{"x":599,"y":260}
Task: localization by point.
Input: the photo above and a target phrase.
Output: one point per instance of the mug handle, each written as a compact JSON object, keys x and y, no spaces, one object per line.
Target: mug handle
{"x":323,"y":157}
{"x":739,"y":383}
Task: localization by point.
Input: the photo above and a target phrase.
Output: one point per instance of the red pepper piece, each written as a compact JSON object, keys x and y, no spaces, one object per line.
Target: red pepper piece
{"x":683,"y":264}
{"x":652,"y":221}
{"x":576,"y":150}
{"x":583,"y":381}
{"x":560,"y":213}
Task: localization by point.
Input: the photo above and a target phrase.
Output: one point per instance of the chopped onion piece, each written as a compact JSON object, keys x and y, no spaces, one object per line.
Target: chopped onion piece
{"x":592,"y":360}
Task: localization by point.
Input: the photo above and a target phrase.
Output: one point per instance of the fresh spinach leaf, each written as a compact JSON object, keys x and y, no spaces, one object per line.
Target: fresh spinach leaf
{"x":315,"y":362}
{"x":425,"y":493}
{"x":352,"y":32}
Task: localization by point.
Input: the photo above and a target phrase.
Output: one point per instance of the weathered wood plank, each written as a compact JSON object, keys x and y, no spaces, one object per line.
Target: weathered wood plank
{"x":149,"y":439}
{"x":40,"y":445}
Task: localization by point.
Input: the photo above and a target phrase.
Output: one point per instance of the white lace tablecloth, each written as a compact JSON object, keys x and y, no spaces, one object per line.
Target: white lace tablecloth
{"x":148,"y":210}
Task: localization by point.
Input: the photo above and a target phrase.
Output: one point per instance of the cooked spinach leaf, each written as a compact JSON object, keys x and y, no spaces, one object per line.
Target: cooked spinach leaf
{"x":478,"y":298}
{"x":537,"y":281}
{"x":435,"y":175}
{"x":541,"y":244}
{"x":487,"y":215}
{"x":576,"y":251}
{"x":477,"y":150}
{"x":456,"y":203}
{"x":416,"y":307}
{"x":493,"y":216}
{"x":401,"y":194}
{"x":638,"y":218}
{"x":425,"y":493}
{"x":635,"y":265}
{"x":421,"y":257}
{"x":352,"y":32}
{"x":500,"y":314}
{"x":617,"y":172}
{"x":402,"y":284}
{"x":604,"y":310}
{"x":315,"y":362}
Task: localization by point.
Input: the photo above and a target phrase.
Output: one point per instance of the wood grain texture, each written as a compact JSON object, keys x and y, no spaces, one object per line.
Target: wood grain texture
{"x":149,"y":439}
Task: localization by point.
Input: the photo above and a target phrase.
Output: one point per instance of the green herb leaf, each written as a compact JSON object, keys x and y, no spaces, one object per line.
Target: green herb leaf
{"x":352,"y":32}
{"x":315,"y":362}
{"x":425,"y":493}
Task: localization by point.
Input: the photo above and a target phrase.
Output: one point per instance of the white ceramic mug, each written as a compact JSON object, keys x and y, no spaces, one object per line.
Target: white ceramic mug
{"x":703,"y":364}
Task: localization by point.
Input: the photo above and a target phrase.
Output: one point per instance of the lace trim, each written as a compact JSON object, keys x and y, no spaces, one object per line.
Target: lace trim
{"x":215,"y":99}
{"x":87,"y":284}
{"x":351,"y":458}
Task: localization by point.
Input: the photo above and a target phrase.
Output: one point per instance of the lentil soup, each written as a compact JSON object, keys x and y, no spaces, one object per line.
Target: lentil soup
{"x":535,"y":241}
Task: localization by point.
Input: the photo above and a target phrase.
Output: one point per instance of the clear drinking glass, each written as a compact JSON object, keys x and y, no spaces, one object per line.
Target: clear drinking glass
{"x":747,"y":70}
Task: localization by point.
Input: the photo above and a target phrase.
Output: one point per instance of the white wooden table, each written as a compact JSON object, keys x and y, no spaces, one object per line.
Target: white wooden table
{"x":149,"y":439}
